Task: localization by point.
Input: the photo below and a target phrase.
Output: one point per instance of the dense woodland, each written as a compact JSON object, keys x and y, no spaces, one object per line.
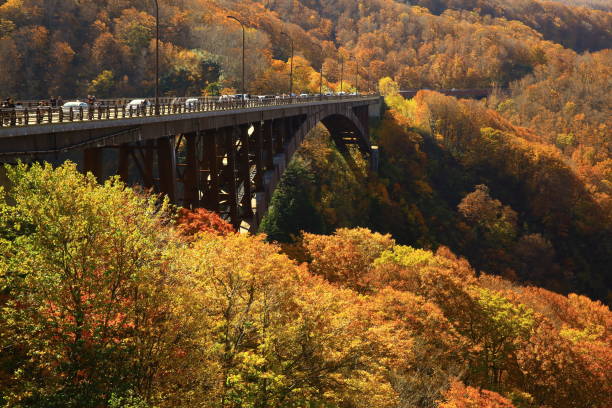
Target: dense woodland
{"x":76,"y":47}
{"x":594,"y":4}
{"x":472,"y":270}
{"x":143,"y":307}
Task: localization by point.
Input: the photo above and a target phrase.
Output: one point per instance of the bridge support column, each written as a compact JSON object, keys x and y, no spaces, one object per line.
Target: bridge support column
{"x":211,"y":170}
{"x":269,"y":144}
{"x":230,"y":175}
{"x":92,"y":162}
{"x":124,"y":163}
{"x":259,"y":155}
{"x":245,"y":171}
{"x":148,"y":158}
{"x":191,"y":177}
{"x":166,"y":159}
{"x":280,"y":132}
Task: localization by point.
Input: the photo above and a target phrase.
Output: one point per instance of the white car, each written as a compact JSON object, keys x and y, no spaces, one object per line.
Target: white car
{"x":226,"y":98}
{"x":240,"y":97}
{"x":191,"y":103}
{"x":75,"y":105}
{"x":134,"y":104}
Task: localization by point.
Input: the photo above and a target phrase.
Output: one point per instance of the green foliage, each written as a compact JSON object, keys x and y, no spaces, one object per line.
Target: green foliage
{"x":79,"y":262}
{"x":406,"y":256}
{"x":499,"y":328}
{"x":130,"y":400}
{"x":105,"y":304}
{"x":135,"y":29}
{"x":103,"y":85}
{"x":388,"y":87}
{"x":292,"y":209}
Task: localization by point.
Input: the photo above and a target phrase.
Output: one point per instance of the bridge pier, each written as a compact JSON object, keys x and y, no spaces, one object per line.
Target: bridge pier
{"x":230,"y":172}
{"x":268,"y":129}
{"x":212,"y":163}
{"x":191,"y":176}
{"x":123,"y":168}
{"x":166,"y":158}
{"x":92,"y":162}
{"x":258,"y":152}
{"x":245,"y":173}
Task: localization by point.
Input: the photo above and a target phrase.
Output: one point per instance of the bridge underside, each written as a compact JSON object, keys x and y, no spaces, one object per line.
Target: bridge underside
{"x":230,"y":164}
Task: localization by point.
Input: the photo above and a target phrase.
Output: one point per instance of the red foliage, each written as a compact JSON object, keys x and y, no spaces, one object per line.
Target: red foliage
{"x":190,"y":223}
{"x":462,"y":396}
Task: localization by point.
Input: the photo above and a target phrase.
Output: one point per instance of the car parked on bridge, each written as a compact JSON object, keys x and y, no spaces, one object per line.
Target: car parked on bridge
{"x":240,"y":97}
{"x":191,"y":103}
{"x":226,"y":98}
{"x":75,"y":105}
{"x":135,"y":104}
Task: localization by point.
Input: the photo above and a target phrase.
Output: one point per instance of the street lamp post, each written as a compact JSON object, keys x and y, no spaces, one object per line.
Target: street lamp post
{"x":341,"y":74}
{"x":357,"y":76}
{"x":321,"y":82}
{"x":320,"y":74}
{"x":243,"y":36}
{"x":291,"y":65}
{"x":156,"y":57}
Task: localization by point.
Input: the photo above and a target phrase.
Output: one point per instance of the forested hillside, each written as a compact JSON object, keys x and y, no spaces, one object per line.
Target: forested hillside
{"x":578,"y":28}
{"x":454,"y":173}
{"x":594,"y":4}
{"x":472,"y":269}
{"x":109,"y":300}
{"x":75,"y":47}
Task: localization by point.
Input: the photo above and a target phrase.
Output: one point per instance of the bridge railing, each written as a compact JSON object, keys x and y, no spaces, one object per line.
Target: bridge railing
{"x":28,"y":116}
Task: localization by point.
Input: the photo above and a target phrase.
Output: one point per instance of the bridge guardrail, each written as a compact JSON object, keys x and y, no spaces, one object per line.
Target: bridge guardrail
{"x":26,"y":116}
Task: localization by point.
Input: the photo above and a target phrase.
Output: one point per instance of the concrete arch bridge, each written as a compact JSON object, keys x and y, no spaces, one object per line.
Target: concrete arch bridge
{"x":226,"y":157}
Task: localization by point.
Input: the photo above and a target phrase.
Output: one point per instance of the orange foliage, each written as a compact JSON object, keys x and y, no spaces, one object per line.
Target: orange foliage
{"x":191,"y":223}
{"x":347,"y":256}
{"x":462,"y":396}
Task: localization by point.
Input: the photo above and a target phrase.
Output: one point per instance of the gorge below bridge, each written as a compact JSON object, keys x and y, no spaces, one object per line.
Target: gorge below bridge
{"x":226,"y":157}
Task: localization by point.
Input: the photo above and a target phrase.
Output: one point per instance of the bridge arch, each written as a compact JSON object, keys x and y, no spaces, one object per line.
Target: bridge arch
{"x":346,"y":126}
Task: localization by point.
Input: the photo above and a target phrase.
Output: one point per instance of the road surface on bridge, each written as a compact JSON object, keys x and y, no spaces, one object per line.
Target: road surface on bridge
{"x":19,"y":117}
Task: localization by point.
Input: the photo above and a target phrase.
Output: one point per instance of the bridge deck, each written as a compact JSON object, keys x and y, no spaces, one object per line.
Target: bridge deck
{"x":51,"y":129}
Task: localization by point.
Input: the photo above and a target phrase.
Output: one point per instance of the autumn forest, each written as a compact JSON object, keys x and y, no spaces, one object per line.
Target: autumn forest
{"x":472,"y":269}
